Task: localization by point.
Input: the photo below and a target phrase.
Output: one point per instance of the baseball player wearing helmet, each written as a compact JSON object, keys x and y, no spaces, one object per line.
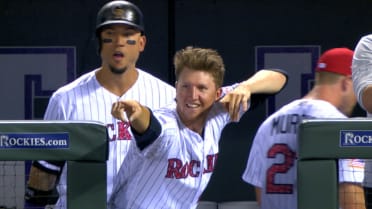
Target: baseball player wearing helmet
{"x":362,"y":80}
{"x":176,"y":147}
{"x":272,"y":166}
{"x":121,"y":39}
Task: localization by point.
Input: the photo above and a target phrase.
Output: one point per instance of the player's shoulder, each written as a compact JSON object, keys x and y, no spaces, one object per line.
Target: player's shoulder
{"x":314,"y":108}
{"x":298,"y":107}
{"x":367,"y":38}
{"x":323,"y":109}
{"x":166,"y":114}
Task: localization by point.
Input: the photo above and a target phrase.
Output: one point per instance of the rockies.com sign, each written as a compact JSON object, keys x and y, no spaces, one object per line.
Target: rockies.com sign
{"x":351,"y":138}
{"x":34,"y":140}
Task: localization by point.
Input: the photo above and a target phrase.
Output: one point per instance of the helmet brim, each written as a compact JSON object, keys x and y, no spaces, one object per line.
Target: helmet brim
{"x":119,"y":22}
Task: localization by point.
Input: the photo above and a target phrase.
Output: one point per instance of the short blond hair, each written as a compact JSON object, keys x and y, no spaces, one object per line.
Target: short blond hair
{"x":200,"y":59}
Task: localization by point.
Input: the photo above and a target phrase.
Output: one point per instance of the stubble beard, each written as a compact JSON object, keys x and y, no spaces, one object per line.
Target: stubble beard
{"x":118,"y":71}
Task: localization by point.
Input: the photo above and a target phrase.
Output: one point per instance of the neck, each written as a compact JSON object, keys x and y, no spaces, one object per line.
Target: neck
{"x":117,"y":84}
{"x":326,"y":93}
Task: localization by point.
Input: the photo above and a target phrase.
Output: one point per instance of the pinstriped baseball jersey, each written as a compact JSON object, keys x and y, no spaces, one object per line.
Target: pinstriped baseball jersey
{"x":361,"y":74}
{"x":173,"y":171}
{"x":272,"y":162}
{"x":86,"y":99}
{"x":361,"y":67}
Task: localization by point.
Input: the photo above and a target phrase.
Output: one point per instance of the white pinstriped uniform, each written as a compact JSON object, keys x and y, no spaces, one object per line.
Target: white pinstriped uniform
{"x":173,"y":171}
{"x":86,"y":99}
{"x":272,"y":162}
{"x":362,"y":77}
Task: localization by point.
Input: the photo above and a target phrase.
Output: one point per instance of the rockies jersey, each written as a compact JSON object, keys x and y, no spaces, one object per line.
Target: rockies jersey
{"x":85,"y":99}
{"x":362,"y":77}
{"x":173,"y":171}
{"x":272,"y":162}
{"x":361,"y":67}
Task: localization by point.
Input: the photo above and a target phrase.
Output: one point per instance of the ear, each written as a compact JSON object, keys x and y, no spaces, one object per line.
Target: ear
{"x":218,"y":93}
{"x":142,"y":42}
{"x":346,"y":83}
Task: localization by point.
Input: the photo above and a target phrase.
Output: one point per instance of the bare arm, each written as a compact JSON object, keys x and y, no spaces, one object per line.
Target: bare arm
{"x":263,"y":81}
{"x":258,"y":195}
{"x":41,"y":180}
{"x":138,"y":115}
{"x":351,"y":196}
{"x":40,"y":188}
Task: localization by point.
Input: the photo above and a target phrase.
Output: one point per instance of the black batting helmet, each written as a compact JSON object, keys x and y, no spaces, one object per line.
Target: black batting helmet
{"x":119,"y":12}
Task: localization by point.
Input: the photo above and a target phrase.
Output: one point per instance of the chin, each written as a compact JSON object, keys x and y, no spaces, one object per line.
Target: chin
{"x":118,"y":71}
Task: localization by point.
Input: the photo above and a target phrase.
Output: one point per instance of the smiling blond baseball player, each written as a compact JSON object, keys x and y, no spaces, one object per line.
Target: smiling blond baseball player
{"x":176,"y":147}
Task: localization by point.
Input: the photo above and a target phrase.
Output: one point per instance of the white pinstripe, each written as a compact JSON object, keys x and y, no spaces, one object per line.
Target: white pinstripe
{"x":85,"y":99}
{"x":259,"y":163}
{"x":143,"y":181}
{"x":362,"y":77}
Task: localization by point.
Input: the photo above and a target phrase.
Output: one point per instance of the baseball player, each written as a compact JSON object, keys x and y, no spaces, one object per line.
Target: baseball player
{"x":272,"y":166}
{"x":120,"y":34}
{"x":176,"y":147}
{"x":362,"y":80}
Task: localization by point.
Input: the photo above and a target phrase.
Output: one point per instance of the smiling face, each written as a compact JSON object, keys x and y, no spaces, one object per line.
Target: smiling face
{"x":196,"y":93}
{"x":120,"y":47}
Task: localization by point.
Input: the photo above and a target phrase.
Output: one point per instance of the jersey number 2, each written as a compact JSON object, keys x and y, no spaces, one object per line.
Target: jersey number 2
{"x":283,"y":167}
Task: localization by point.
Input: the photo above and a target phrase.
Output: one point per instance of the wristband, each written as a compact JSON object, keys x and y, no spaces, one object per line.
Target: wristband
{"x":39,"y":197}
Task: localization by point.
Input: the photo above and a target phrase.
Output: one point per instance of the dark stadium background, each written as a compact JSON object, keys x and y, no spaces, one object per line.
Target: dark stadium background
{"x":233,"y":27}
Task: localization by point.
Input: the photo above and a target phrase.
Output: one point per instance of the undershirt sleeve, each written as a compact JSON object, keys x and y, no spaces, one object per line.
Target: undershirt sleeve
{"x":150,"y":135}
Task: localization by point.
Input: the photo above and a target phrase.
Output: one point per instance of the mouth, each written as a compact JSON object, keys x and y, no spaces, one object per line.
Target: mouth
{"x":118,"y":55}
{"x":192,"y":105}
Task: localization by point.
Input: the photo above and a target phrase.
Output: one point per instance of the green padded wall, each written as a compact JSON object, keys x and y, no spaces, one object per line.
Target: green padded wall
{"x":320,"y":145}
{"x":86,"y":156}
{"x":317,"y":187}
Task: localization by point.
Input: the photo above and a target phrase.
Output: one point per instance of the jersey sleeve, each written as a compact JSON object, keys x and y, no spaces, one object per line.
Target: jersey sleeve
{"x":150,"y":135}
{"x":168,"y":132}
{"x":55,"y":109}
{"x":254,"y":171}
{"x":362,"y":66}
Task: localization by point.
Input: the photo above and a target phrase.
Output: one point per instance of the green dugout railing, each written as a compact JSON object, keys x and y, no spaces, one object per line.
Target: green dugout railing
{"x":84,"y":145}
{"x":321,"y":144}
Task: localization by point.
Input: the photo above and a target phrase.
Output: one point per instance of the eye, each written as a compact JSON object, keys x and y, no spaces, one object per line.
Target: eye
{"x":129,"y":33}
{"x":108,"y":32}
{"x":202,"y":88}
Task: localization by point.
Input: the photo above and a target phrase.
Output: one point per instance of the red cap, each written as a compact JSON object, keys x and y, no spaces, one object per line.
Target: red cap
{"x":336,"y":60}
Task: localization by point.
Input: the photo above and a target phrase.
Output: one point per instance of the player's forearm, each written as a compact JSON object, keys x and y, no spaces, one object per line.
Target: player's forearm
{"x":142,"y":121}
{"x":351,"y":196}
{"x":258,"y":195}
{"x":41,"y":180}
{"x":266,"y":81}
{"x":150,"y":135}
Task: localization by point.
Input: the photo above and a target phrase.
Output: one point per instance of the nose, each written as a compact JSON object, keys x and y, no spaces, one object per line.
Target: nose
{"x":194,"y":93}
{"x":120,"y":40}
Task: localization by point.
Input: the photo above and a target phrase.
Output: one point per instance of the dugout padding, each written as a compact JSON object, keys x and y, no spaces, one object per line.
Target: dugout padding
{"x":86,"y":155}
{"x":321,"y":143}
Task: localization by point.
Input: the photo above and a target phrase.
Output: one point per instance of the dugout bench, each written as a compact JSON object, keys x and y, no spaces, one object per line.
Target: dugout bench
{"x":321,"y":143}
{"x":86,"y":152}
